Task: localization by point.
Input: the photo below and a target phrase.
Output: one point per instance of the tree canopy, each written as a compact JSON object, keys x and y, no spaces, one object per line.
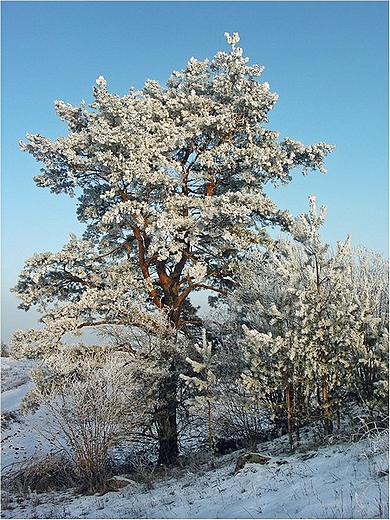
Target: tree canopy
{"x":170,"y":185}
{"x":315,"y":325}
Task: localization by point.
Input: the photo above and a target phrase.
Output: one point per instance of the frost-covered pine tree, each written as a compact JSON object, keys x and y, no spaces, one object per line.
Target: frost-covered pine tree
{"x":312,"y":315}
{"x":205,"y":379}
{"x":169,"y":182}
{"x":370,"y":356}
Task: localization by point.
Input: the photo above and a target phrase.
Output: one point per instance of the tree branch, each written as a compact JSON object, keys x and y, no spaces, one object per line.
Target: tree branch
{"x":210,"y":288}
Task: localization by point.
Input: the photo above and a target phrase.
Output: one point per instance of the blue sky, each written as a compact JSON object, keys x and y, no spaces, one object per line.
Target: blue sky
{"x":328,"y":61}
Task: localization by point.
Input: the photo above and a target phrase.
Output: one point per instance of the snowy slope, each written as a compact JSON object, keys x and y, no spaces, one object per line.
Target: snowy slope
{"x":340,"y":480}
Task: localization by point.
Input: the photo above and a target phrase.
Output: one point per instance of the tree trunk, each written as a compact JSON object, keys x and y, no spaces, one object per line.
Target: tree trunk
{"x":328,"y":424}
{"x":166,"y":416}
{"x":166,"y":422}
{"x":168,"y":449}
{"x":211,"y":434}
{"x":289,"y":414}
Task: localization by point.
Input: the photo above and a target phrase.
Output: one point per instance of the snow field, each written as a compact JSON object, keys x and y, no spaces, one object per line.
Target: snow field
{"x":340,"y":480}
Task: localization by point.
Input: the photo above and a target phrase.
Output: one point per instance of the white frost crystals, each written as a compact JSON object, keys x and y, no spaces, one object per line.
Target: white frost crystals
{"x":101,"y":82}
{"x":319,"y":319}
{"x":232,"y":40}
{"x":197,"y":272}
{"x":170,"y":185}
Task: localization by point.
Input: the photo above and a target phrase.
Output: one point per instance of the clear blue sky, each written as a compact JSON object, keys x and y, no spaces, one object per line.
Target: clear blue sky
{"x":328,"y":61}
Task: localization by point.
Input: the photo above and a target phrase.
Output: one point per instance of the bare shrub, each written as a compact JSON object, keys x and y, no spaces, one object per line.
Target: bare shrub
{"x":237,"y":417}
{"x":368,"y":425}
{"x":40,"y":474}
{"x":143,"y":470}
{"x":88,"y":410}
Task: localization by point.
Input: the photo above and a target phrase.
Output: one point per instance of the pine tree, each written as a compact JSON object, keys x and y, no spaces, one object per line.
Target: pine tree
{"x":204,"y":381}
{"x":370,"y":380}
{"x":315,"y":313}
{"x":169,"y":182}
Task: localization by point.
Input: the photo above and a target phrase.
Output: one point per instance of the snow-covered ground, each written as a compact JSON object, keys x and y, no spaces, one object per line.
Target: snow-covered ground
{"x":338,"y":480}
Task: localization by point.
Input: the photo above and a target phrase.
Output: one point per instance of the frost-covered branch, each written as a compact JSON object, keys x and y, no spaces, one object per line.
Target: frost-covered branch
{"x":170,"y":186}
